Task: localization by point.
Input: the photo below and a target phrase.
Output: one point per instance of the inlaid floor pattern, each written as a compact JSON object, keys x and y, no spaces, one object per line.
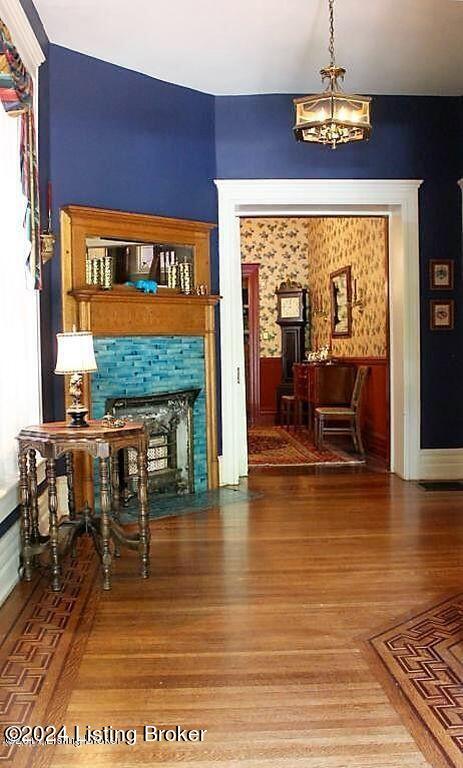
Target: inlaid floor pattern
{"x":423,"y":655}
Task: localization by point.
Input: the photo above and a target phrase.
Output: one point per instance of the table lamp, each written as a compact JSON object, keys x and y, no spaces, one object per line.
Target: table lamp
{"x":76,"y":356}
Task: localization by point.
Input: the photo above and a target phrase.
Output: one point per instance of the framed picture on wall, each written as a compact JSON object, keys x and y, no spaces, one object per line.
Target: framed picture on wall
{"x":441,"y":274}
{"x":442,"y":314}
{"x":341,"y":303}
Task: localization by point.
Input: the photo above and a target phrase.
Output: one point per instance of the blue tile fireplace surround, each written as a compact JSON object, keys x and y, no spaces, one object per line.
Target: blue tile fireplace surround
{"x":134,"y":366}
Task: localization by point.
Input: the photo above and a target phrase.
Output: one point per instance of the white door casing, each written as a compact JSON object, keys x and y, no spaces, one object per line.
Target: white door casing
{"x":396,"y":199}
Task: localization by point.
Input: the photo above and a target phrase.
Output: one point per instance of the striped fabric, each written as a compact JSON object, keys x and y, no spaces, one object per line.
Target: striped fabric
{"x":16,"y":95}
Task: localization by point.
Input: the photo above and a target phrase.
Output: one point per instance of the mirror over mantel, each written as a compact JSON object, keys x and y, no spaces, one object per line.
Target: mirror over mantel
{"x":141,"y":245}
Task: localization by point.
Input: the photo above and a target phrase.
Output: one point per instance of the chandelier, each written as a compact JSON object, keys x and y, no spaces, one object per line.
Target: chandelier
{"x":332,"y":117}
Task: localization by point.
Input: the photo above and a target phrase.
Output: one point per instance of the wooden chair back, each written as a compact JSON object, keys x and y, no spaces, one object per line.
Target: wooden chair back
{"x":359,"y":385}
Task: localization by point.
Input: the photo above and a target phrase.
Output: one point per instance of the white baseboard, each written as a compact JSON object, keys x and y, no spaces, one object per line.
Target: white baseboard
{"x":440,"y":464}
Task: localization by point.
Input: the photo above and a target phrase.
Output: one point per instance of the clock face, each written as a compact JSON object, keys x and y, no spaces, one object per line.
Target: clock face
{"x":289,"y":307}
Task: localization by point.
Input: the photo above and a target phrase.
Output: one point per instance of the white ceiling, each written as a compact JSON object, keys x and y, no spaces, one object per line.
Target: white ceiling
{"x":270,"y":46}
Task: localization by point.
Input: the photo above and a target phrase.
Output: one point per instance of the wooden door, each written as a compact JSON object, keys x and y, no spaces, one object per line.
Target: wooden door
{"x":250,"y":286}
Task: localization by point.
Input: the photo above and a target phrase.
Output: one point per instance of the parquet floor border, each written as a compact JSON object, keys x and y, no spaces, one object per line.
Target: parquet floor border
{"x":41,"y":651}
{"x":423,"y":677}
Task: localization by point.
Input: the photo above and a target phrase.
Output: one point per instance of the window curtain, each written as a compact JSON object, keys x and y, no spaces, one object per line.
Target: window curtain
{"x":17,"y":97}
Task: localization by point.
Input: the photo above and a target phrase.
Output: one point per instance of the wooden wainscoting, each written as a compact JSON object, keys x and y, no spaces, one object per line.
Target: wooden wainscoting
{"x":270,"y":378}
{"x":375,"y":406}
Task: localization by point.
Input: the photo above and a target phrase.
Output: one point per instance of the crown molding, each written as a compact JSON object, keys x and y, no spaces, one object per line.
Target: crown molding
{"x":23,"y":36}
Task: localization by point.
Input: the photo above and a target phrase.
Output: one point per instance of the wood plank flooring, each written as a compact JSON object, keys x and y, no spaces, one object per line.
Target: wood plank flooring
{"x":251,"y":627}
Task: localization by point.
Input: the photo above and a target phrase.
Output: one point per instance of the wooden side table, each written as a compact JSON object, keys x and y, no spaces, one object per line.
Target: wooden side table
{"x":102,"y":442}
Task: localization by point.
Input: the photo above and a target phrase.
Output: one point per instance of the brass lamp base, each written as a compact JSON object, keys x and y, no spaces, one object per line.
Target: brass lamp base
{"x":77,"y":410}
{"x":77,"y":415}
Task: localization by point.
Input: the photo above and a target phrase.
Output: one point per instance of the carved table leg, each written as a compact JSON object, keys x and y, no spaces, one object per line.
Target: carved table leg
{"x":143,"y":522}
{"x":69,"y":460}
{"x":33,"y":499}
{"x":53,"y":516}
{"x":115,"y":496}
{"x":25,"y":515}
{"x":105,"y":527}
{"x":70,"y":484}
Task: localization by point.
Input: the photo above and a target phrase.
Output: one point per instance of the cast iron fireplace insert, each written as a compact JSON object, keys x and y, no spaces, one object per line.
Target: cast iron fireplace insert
{"x":169,"y":419}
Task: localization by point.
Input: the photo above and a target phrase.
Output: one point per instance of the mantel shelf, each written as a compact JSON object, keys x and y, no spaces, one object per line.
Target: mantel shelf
{"x":124,"y":311}
{"x":132,"y":295}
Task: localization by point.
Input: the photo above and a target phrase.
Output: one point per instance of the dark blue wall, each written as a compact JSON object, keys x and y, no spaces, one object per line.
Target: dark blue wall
{"x":121,"y":140}
{"x":413,"y":138}
{"x":114,"y":138}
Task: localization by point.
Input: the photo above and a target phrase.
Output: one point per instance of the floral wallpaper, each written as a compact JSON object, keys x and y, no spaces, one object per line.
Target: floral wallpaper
{"x":307,"y":250}
{"x":336,"y":242}
{"x":280,"y":246}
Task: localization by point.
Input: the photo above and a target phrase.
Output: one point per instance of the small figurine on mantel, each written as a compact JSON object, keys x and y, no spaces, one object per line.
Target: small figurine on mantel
{"x":147,"y":286}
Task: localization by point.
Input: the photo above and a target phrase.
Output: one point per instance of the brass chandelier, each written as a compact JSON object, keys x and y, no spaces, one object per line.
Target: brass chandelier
{"x":332,"y":117}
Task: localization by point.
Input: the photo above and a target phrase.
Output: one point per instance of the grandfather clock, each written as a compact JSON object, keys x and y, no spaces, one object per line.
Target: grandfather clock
{"x":292,"y":319}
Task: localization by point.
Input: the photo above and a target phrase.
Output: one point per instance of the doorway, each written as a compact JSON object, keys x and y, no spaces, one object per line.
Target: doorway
{"x":396,"y":199}
{"x":289,"y":267}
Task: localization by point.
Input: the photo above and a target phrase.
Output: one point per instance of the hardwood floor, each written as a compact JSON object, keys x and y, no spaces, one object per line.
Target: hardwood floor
{"x":251,"y":627}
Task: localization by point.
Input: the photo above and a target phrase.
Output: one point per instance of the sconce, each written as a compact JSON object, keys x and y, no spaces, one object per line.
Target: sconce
{"x":47,"y":238}
{"x":358,"y":298}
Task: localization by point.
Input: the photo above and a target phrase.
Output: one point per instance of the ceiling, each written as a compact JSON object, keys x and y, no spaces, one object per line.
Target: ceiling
{"x":270,"y":46}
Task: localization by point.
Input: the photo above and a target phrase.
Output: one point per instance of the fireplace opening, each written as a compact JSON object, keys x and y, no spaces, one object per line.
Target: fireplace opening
{"x":168,"y":417}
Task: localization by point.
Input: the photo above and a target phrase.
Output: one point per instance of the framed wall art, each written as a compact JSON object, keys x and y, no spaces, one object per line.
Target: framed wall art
{"x":441,"y":274}
{"x":341,"y":303}
{"x":441,"y":314}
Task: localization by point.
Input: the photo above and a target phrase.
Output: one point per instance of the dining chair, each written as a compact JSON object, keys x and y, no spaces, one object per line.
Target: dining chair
{"x":338,"y":414}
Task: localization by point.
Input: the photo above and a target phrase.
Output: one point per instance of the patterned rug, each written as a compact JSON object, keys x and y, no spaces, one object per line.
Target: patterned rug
{"x":277,"y":447}
{"x":420,"y":662}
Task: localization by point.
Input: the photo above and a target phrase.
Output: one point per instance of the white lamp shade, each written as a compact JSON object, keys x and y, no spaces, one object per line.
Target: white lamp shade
{"x":75,"y":353}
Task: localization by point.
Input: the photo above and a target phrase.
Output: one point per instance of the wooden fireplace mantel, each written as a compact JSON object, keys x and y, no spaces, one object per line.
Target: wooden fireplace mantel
{"x":125,"y":311}
{"x":119,"y":311}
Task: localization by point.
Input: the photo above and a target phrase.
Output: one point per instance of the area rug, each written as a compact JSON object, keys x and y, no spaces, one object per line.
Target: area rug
{"x":278,"y":447}
{"x":420,"y":662}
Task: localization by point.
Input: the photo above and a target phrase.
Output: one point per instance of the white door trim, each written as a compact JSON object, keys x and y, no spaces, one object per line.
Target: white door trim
{"x":397,"y":199}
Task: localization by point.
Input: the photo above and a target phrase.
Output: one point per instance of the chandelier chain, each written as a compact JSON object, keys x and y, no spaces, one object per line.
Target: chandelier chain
{"x":331,"y":47}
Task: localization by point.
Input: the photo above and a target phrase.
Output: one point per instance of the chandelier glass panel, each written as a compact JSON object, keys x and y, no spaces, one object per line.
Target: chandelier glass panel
{"x":332,"y":117}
